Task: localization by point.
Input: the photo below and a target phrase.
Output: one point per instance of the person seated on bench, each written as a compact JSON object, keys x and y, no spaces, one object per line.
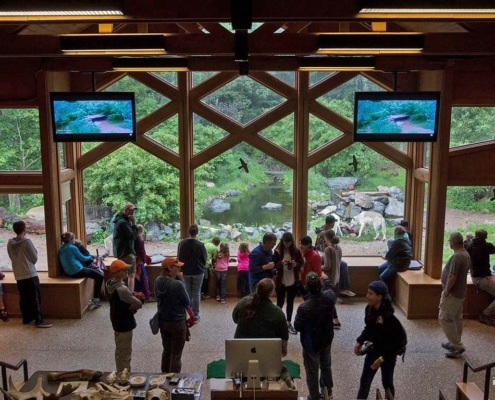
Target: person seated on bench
{"x":398,"y":256}
{"x":73,"y":261}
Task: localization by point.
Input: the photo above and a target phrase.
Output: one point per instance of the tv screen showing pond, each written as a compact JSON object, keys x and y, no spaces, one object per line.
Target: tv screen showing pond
{"x":93,"y":117}
{"x":396,"y":116}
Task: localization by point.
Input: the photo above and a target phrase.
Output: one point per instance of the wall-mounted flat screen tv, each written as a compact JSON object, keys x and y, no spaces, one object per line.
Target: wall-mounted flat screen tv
{"x":93,"y":116}
{"x":396,"y":116}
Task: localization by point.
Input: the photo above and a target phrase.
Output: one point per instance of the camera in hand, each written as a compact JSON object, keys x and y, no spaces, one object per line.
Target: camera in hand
{"x":289,"y":264}
{"x":366,"y":348}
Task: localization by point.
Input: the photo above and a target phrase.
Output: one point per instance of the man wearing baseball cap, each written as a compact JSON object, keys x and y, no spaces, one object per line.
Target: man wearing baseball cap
{"x":172,"y":300}
{"x":125,"y":233}
{"x":123,"y":306}
{"x":314,"y":319}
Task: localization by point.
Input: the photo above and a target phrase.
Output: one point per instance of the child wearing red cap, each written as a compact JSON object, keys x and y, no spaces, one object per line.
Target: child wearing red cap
{"x":123,"y":306}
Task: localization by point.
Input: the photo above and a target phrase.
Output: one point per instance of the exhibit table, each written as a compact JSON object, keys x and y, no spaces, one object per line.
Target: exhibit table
{"x":223,"y":389}
{"x":179,"y":385}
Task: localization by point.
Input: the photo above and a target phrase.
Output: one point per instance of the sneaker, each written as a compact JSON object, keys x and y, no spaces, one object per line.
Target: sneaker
{"x":95,"y":302}
{"x":347,"y":293}
{"x":485,"y":319}
{"x":455,"y":353}
{"x":205,"y":297}
{"x":43,"y":324}
{"x":223,"y":301}
{"x":218,"y":298}
{"x":338,"y":325}
{"x":447,"y":346}
{"x":291,"y":329}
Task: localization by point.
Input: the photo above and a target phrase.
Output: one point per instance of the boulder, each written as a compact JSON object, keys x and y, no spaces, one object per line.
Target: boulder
{"x":272,"y":206}
{"x":341,"y":183}
{"x":395,"y":209}
{"x":327,"y":210}
{"x":363,"y":200}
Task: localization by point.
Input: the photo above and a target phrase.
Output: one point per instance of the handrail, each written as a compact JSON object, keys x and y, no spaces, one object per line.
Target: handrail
{"x":487,"y":368}
{"x":4,"y":365}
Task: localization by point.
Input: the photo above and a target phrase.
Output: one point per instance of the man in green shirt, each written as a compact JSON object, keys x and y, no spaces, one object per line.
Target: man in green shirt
{"x":211,"y":258}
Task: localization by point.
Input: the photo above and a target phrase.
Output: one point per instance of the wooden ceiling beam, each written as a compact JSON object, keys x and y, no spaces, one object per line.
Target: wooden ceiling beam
{"x":439,"y":44}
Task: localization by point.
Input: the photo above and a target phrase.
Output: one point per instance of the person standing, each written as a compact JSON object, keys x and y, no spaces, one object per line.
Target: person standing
{"x":192,"y":253}
{"x":123,"y":306}
{"x":124,"y":236}
{"x":314,"y":319}
{"x":221,"y":270}
{"x":331,"y":266}
{"x":211,"y":259}
{"x":312,"y":260}
{"x":344,"y":288}
{"x":384,"y":337}
{"x":288,"y":262}
{"x":4,"y":316}
{"x":74,"y":263}
{"x":257,"y":317}
{"x":172,"y":300}
{"x":479,"y":250}
{"x":243,"y":269}
{"x":261,"y":263}
{"x":24,"y":256}
{"x":454,"y":286}
{"x":141,"y":283}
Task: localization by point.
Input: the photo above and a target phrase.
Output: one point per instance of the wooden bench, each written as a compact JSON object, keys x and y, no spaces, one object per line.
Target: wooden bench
{"x":61,"y":297}
{"x":418,"y":296}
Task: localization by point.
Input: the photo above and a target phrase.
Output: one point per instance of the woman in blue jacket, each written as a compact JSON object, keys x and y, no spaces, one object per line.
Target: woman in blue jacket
{"x":73,"y":261}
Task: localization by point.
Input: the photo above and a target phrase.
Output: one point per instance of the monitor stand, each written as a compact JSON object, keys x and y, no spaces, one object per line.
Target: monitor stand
{"x":253,"y":375}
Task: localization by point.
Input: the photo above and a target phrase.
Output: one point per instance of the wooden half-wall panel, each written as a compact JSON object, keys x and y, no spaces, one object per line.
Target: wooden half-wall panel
{"x":472,"y":165}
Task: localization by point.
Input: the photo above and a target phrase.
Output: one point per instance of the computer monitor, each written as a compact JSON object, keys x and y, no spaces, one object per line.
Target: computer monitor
{"x":239,"y":352}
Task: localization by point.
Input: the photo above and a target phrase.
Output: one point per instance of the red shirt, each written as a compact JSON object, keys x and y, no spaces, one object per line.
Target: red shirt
{"x":313,"y":263}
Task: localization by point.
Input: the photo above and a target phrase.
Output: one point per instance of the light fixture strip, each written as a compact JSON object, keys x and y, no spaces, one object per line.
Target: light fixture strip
{"x":428,"y":10}
{"x":61,"y":13}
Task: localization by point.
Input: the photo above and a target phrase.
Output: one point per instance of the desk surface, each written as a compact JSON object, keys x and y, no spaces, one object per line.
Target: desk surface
{"x":186,"y":379}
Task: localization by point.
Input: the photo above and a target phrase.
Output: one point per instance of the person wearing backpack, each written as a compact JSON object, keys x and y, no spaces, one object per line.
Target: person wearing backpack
{"x":382,"y":339}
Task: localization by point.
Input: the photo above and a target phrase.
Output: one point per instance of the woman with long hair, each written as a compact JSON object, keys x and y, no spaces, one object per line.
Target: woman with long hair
{"x":288,"y":263}
{"x":257,"y":317}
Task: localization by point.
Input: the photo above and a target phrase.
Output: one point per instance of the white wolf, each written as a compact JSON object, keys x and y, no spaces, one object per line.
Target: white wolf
{"x":370,"y":218}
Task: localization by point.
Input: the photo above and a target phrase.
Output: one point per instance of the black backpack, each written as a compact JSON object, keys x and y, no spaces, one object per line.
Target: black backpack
{"x":401,"y":350}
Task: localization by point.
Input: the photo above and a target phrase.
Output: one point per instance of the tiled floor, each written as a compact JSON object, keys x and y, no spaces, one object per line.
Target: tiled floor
{"x":88,"y":343}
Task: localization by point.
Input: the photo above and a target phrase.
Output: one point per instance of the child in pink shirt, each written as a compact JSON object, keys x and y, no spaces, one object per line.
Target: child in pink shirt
{"x":221,"y":268}
{"x":243,"y":269}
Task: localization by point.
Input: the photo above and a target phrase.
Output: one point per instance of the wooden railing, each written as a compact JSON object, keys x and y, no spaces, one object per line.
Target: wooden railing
{"x":487,"y":368}
{"x":5,"y":366}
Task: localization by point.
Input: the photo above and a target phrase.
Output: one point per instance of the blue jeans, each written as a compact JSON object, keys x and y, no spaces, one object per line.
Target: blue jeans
{"x":387,"y":272}
{"x":94,"y":274}
{"x":193,"y":288}
{"x":243,"y":283}
{"x":313,"y":363}
{"x":221,"y":284}
{"x":291,"y":291}
{"x":387,"y":369}
{"x":345,"y":281}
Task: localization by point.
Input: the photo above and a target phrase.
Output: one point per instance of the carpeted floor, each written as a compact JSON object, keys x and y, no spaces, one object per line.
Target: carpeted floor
{"x":88,"y":343}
